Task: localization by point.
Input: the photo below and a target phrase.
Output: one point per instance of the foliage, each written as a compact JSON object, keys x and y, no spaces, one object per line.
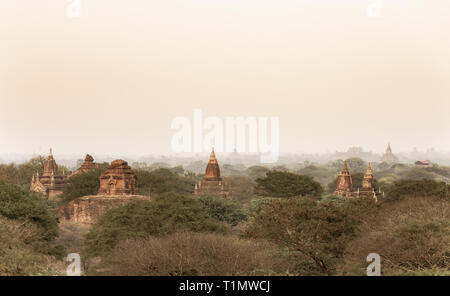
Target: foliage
{"x":285,"y":184}
{"x":413,"y":238}
{"x":163,"y":180}
{"x":193,"y":254}
{"x":319,"y":230}
{"x":223,"y":210}
{"x":163,"y":215}
{"x":18,"y":257}
{"x":83,"y":184}
{"x":21,"y":174}
{"x":417,"y":188}
{"x":356,"y":164}
{"x":17,"y":204}
{"x":242,"y":187}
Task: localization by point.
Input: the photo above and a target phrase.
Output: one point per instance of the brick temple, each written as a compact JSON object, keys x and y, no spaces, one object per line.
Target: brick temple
{"x":212,"y":183}
{"x":118,"y":179}
{"x":345,"y":186}
{"x":50,"y":183}
{"x":118,"y":186}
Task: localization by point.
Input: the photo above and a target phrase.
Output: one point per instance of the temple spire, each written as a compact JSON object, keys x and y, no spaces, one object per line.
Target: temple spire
{"x":369,"y":170}
{"x":212,"y":169}
{"x":345,"y":166}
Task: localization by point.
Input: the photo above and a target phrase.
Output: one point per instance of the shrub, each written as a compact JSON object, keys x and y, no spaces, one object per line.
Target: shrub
{"x":17,"y":255}
{"x":19,"y":205}
{"x":187,"y":254}
{"x":163,"y":215}
{"x":412,"y":238}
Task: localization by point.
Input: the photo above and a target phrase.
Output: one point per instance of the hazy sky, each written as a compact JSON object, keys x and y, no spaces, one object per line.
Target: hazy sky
{"x":112,"y":80}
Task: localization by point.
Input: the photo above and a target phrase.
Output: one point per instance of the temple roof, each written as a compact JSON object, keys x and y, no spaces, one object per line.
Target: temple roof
{"x":212,"y":169}
{"x":50,"y":166}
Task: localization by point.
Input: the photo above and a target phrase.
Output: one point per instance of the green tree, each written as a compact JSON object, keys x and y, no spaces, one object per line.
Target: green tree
{"x":356,"y":164}
{"x":318,"y":230}
{"x":285,"y":184}
{"x":84,"y":184}
{"x":163,"y":215}
{"x":163,"y":180}
{"x":417,"y":188}
{"x":223,"y":210}
{"x":17,"y":204}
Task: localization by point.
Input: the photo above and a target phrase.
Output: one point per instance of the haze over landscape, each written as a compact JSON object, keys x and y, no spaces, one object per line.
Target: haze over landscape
{"x":111,"y":81}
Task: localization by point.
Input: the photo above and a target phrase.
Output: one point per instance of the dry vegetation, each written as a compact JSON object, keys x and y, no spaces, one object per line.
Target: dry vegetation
{"x":189,"y":253}
{"x":412,"y":236}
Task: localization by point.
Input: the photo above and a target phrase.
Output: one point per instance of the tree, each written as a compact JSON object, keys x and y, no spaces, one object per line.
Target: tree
{"x":223,"y":210}
{"x":356,"y":164}
{"x":163,"y":215}
{"x":319,"y":230}
{"x":84,"y":184}
{"x":17,"y":204}
{"x":285,"y":184}
{"x":417,"y":188}
{"x":163,"y":180}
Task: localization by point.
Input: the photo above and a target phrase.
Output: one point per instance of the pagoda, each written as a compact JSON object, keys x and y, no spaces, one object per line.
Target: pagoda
{"x":212,"y":183}
{"x":50,"y":183}
{"x":368,"y":189}
{"x":388,"y":156}
{"x":87,"y":165}
{"x":344,"y":183}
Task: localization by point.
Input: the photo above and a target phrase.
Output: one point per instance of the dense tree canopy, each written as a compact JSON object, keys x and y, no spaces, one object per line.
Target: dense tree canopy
{"x":285,"y":184}
{"x":163,"y":180}
{"x":223,"y":210}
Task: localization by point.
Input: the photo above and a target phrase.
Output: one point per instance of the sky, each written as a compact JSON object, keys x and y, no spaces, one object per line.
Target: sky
{"x":112,"y":80}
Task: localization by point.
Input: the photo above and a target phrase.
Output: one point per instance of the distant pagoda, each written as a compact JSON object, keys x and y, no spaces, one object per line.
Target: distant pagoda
{"x":87,"y":165}
{"x":344,"y":183}
{"x":212,"y":183}
{"x":388,"y":156}
{"x":51,"y":183}
{"x":345,"y":187}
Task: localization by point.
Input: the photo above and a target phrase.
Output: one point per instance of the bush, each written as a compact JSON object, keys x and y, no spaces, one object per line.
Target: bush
{"x":166,"y":214}
{"x":284,"y":184}
{"x":16,"y":204}
{"x":223,"y":210}
{"x":412,"y":238}
{"x":17,"y":255}
{"x":193,"y":254}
